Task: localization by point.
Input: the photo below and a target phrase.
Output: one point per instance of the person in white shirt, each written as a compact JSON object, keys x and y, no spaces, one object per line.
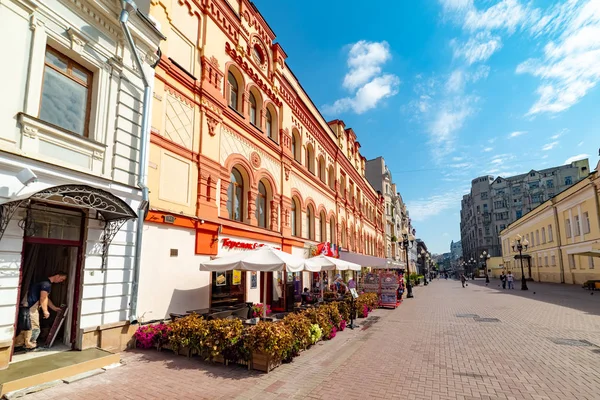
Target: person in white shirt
{"x":510,"y":280}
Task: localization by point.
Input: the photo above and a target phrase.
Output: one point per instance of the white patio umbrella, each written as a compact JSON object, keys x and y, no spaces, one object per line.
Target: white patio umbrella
{"x":263,"y":259}
{"x":329,"y":264}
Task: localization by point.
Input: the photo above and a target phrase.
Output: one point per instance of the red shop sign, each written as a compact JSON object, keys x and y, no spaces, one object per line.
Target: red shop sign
{"x":232,"y":244}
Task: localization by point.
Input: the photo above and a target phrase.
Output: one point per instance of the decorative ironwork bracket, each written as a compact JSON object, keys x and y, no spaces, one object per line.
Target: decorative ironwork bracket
{"x":110,"y":230}
{"x":6,"y":213}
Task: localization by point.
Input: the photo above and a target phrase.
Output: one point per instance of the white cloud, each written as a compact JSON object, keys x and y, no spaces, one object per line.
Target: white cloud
{"x":488,"y":149}
{"x":365,"y":79}
{"x":456,"y":5}
{"x":449,"y":119}
{"x":570,"y":65}
{"x":457,"y":159}
{"x":367,"y":96}
{"x":506,"y":14}
{"x":364,"y":61}
{"x":478,"y":48}
{"x":456,"y":81}
{"x":423,"y":209}
{"x":492,"y":140}
{"x":516,"y":134}
{"x":576,"y":158}
{"x":549,"y":146}
{"x":579,"y":144}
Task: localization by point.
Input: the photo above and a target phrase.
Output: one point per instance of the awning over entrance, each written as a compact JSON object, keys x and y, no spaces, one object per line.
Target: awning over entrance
{"x":113,"y":210}
{"x":364,"y":260}
{"x":592,"y":250}
{"x":392,"y":264}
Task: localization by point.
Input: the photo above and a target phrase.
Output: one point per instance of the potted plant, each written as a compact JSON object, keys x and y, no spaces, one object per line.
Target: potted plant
{"x":222,"y":333}
{"x":188,"y":335}
{"x":300,"y":326}
{"x":270,"y":343}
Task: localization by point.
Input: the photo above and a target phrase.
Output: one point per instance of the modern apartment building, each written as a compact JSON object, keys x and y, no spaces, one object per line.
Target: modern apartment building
{"x":493,"y":204}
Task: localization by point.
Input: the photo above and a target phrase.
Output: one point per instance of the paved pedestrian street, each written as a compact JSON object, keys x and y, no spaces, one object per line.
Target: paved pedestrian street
{"x":447,"y":343}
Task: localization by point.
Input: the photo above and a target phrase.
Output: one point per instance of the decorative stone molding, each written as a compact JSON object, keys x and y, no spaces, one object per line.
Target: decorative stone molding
{"x":212,"y":123}
{"x":255,"y":160}
{"x":30,"y":131}
{"x":78,"y":41}
{"x":286,"y":170}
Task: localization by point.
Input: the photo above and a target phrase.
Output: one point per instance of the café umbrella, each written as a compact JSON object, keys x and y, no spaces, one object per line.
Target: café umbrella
{"x":263,"y":259}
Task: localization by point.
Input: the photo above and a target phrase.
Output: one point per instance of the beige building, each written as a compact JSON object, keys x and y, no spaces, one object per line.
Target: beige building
{"x":493,"y":204}
{"x":563,"y":235}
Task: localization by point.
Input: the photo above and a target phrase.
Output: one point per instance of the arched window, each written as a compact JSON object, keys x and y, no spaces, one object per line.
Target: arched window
{"x":310,"y":158}
{"x":261,"y":205}
{"x":269,"y":124}
{"x":310,"y":223}
{"x":331,"y":178}
{"x":253,"y":119}
{"x":323,"y":227}
{"x":233,"y":91}
{"x":235,"y":196}
{"x":296,"y":145}
{"x":295,"y":217}
{"x":344,"y":244}
{"x":332,"y":230}
{"x":322,"y":169}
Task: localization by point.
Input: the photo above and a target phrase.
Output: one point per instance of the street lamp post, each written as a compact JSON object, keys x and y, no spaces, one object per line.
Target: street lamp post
{"x":520,"y":245}
{"x":472,"y":263}
{"x":484,"y":258}
{"x":424,"y":257}
{"x":408,"y":239}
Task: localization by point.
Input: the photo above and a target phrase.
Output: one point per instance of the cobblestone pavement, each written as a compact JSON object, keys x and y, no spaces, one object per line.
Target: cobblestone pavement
{"x":447,"y":343}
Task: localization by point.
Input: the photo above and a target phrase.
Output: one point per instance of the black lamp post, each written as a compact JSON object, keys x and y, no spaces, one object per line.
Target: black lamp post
{"x":484,"y":258}
{"x":408,"y":239}
{"x":424,"y":260}
{"x":520,"y":245}
{"x":472,"y":264}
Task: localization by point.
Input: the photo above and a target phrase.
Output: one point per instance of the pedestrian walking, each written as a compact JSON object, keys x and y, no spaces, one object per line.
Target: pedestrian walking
{"x":463,"y":279}
{"x":503,"y":279}
{"x":510,"y":280}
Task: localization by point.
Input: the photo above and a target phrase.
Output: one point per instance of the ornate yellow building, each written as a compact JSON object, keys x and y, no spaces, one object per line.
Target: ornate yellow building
{"x":563,"y":235}
{"x":240,"y":158}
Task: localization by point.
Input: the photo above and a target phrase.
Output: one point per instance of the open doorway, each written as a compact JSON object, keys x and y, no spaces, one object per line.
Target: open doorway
{"x":52,"y":244}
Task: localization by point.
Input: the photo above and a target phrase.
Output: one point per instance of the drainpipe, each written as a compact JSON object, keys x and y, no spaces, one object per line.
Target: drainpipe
{"x":559,"y":242}
{"x":128,"y":8}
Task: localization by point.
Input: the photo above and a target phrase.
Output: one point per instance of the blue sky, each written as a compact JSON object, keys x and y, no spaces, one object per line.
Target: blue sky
{"x":448,"y":90}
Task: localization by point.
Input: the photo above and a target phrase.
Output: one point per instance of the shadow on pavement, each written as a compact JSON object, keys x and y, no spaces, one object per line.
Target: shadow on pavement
{"x":177,"y":362}
{"x":571,"y":296}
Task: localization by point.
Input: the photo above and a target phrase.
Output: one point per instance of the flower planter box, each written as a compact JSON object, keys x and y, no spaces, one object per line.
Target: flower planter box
{"x":220,"y":360}
{"x":264,"y":362}
{"x":185,"y":351}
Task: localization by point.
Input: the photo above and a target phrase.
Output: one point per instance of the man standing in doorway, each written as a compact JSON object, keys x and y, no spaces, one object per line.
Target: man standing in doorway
{"x":37,"y":297}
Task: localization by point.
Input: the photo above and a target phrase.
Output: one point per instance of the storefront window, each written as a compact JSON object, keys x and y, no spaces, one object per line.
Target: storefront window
{"x":228,"y":288}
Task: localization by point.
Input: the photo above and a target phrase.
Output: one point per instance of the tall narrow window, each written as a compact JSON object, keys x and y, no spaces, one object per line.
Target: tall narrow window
{"x":586,"y":223}
{"x":331,"y":178}
{"x":65,"y":93}
{"x":577,"y":226}
{"x":332,"y":230}
{"x":310,"y":159}
{"x":296,"y":145}
{"x":253,"y":119}
{"x":269,"y":124}
{"x":261,"y":205}
{"x":568,"y":227}
{"x":550,"y":237}
{"x":543,"y":235}
{"x":310,"y":223}
{"x":321,"y":168}
{"x":233,"y":91}
{"x":322,"y":227}
{"x":294,"y":218}
{"x":235,"y":196}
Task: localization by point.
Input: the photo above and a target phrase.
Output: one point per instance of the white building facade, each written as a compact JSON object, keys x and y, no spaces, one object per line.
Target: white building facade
{"x":71,"y":115}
